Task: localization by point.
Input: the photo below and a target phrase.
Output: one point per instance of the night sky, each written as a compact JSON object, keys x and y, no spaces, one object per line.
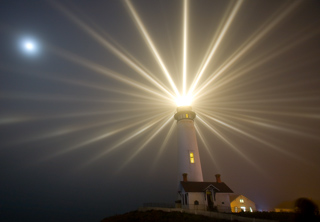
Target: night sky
{"x":86,"y":117}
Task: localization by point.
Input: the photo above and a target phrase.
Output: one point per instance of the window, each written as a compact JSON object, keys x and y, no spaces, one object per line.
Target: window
{"x":187,"y":115}
{"x":241,"y":201}
{"x":243,"y":208}
{"x":191,"y":158}
{"x":236,"y":209}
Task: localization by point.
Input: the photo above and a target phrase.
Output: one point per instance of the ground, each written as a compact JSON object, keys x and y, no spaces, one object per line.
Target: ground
{"x":154,"y":215}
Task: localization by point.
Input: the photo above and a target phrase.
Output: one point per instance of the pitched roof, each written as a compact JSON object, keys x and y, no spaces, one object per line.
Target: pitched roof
{"x":233,"y":197}
{"x":202,"y":186}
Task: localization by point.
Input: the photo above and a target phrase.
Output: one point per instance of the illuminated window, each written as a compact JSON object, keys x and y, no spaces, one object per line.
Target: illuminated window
{"x":241,"y":201}
{"x":191,"y":158}
{"x":236,"y":209}
{"x":251,"y":209}
{"x":243,"y":209}
{"x":187,"y":115}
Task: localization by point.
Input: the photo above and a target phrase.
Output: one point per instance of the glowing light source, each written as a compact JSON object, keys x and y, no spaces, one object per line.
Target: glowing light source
{"x":191,"y":158}
{"x":29,"y":46}
{"x":184,"y":101}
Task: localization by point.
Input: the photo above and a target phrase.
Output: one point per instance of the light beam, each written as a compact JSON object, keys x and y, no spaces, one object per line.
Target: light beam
{"x":151,"y":45}
{"x":231,"y":145}
{"x":184,"y":71}
{"x":112,"y":48}
{"x":216,"y":45}
{"x":274,"y":147}
{"x":142,"y":146}
{"x":248,"y":45}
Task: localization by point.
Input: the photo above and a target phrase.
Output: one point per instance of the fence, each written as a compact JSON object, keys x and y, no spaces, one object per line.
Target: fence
{"x":217,"y":215}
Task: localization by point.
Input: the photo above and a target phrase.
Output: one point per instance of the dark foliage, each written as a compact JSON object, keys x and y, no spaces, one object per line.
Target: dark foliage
{"x":306,"y":210}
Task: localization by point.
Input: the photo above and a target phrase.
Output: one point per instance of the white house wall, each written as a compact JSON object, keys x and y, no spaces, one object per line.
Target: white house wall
{"x":200,"y":198}
{"x":222,"y":202}
{"x":192,"y":197}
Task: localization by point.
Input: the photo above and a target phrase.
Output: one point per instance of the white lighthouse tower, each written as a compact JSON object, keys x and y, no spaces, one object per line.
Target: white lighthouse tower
{"x":188,"y":152}
{"x":193,"y":192}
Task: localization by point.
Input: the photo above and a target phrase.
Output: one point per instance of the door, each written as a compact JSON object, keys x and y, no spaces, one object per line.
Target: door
{"x":209,"y":201}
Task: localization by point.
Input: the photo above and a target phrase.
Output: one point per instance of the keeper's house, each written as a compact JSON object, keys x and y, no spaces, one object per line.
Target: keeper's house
{"x":210,"y":196}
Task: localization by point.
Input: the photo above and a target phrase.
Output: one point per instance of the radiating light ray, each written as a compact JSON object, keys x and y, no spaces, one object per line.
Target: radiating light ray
{"x":21,"y":119}
{"x":13,"y":119}
{"x":248,"y":45}
{"x":106,"y":135}
{"x":268,"y":124}
{"x":151,"y":45}
{"x":103,"y":70}
{"x":142,"y":146}
{"x":289,"y":114}
{"x":265,"y":91}
{"x":64,"y":98}
{"x":264,"y":58}
{"x":73,"y":129}
{"x":216,"y":44}
{"x":207,"y":148}
{"x":108,"y":89}
{"x":77,"y":82}
{"x":225,"y":140}
{"x":163,"y":145}
{"x":185,"y":25}
{"x":134,"y":134}
{"x":268,"y":101}
{"x":117,"y":45}
{"x":289,"y":154}
{"x":109,"y":46}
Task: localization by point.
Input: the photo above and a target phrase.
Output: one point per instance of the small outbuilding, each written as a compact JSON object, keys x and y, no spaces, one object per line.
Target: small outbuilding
{"x":239,"y":203}
{"x":285,"y":206}
{"x":289,"y":206}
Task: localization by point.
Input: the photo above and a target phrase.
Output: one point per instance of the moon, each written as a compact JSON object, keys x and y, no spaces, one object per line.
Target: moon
{"x":29,"y":46}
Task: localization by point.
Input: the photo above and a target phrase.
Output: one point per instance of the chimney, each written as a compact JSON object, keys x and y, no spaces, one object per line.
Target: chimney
{"x":185,"y":177}
{"x":218,"y":178}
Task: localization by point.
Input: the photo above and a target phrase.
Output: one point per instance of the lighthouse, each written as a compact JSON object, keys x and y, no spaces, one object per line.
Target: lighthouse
{"x":193,"y":192}
{"x":188,"y":153}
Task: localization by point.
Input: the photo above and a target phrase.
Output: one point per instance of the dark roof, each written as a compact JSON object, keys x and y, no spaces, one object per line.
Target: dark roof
{"x":202,"y":186}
